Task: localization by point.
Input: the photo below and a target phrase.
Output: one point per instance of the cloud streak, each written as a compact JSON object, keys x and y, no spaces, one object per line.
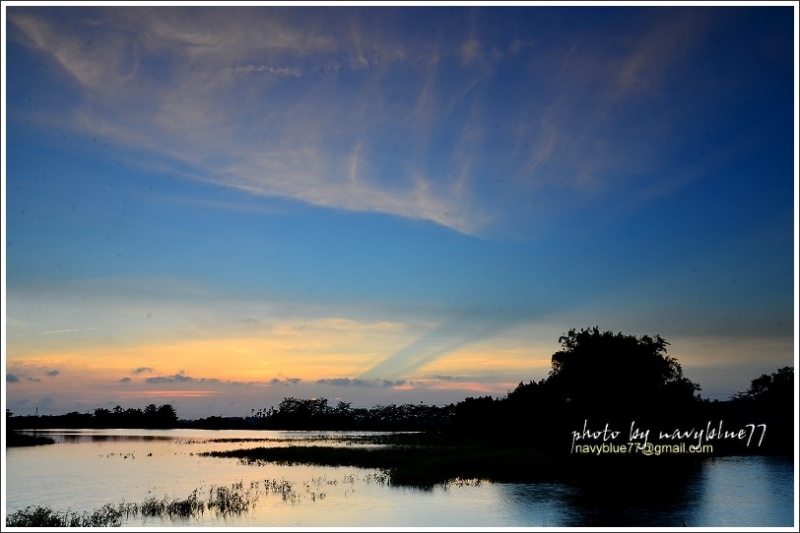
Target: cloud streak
{"x":178,"y":378}
{"x":455,"y":332}
{"x":287,"y":105}
{"x":72,"y":330}
{"x":356,"y":382}
{"x":284,"y":381}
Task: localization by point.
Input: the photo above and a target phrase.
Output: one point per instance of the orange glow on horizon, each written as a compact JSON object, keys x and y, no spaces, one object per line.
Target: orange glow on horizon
{"x":172,"y":393}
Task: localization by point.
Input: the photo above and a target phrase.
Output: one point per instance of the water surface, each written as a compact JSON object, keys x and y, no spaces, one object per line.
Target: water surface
{"x":86,"y":469}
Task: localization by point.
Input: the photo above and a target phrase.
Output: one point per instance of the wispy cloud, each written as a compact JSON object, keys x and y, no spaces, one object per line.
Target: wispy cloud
{"x":295,"y":104}
{"x":457,"y":331}
{"x":284,"y":381}
{"x":659,"y":49}
{"x":263,"y":69}
{"x":445,"y":377}
{"x":178,"y":378}
{"x":52,"y":373}
{"x":71,"y":330}
{"x":142,"y":370}
{"x":356,"y":382}
{"x":470,"y":51}
{"x":11,"y":378}
{"x":300,"y":111}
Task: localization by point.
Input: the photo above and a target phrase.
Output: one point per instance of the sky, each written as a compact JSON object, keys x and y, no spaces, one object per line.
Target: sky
{"x":220,"y":207}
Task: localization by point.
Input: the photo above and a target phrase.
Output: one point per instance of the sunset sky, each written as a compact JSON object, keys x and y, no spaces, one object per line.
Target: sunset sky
{"x":222,"y":207}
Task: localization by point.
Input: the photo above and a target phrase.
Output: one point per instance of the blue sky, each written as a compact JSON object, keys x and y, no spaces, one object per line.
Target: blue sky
{"x":253,"y":203}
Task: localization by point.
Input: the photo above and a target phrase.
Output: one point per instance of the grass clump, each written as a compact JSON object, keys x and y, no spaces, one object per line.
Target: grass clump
{"x":106,"y":516}
{"x":425,"y":461}
{"x":221,"y":500}
{"x":414,"y":465}
{"x":231,"y":500}
{"x":175,"y":508}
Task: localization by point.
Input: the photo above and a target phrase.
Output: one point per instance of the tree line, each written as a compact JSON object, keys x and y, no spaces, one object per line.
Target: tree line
{"x":151,"y":417}
{"x":316,"y":413}
{"x":599,"y":377}
{"x":602,"y":377}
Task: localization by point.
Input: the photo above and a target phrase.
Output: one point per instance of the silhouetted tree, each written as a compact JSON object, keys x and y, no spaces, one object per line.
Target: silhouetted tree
{"x":315,"y":413}
{"x":597,"y":371}
{"x":777,"y":387}
{"x":166,"y":415}
{"x":102,"y":418}
{"x":483,"y":414}
{"x":770,"y":401}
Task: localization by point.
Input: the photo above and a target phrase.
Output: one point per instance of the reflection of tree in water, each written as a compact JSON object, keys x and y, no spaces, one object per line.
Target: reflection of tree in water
{"x":744,"y":491}
{"x":610,"y":497}
{"x":661,"y":494}
{"x":536,"y":505}
{"x":75,"y":438}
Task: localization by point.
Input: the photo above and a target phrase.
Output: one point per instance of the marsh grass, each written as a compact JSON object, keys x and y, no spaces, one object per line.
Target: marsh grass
{"x":106,"y":516}
{"x":415,"y":466}
{"x":225,"y":501}
{"x":221,"y":500}
{"x":427,"y":460}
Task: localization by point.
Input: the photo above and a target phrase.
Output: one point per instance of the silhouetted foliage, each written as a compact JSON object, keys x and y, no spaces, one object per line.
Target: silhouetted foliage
{"x":315,"y":413}
{"x":610,"y":377}
{"x":154,"y":416}
{"x":607,"y":370}
{"x":14,"y":439}
{"x":600,"y":376}
{"x":769,"y":400}
{"x":482,"y":414}
{"x":166,"y":415}
{"x":777,"y":388}
{"x":221,"y":422}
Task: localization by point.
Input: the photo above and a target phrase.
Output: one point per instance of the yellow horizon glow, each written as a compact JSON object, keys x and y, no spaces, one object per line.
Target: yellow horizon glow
{"x":317,"y":349}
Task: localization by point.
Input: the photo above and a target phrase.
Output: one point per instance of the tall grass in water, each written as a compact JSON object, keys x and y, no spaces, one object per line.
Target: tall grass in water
{"x":223,"y":501}
{"x":106,"y":516}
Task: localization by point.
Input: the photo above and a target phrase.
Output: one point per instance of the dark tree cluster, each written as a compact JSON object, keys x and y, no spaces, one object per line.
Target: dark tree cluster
{"x":617,"y":379}
{"x":315,"y":413}
{"x":152,"y":416}
{"x":769,"y":400}
{"x":603,"y":377}
{"x":616,"y":371}
{"x":600,"y":376}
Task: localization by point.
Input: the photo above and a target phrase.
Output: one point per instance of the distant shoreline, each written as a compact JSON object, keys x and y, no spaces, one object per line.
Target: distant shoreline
{"x":16,"y":440}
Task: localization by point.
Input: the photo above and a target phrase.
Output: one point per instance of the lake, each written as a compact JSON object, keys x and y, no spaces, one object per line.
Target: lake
{"x":86,"y":469}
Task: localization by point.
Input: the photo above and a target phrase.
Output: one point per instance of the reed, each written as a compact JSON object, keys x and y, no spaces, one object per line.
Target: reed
{"x":415,"y":465}
{"x":106,"y":516}
{"x":221,"y":500}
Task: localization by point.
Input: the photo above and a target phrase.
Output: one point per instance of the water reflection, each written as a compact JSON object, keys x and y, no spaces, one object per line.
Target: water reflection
{"x":729,"y":491}
{"x":745,"y":492}
{"x":536,"y":505}
{"x":79,"y":437}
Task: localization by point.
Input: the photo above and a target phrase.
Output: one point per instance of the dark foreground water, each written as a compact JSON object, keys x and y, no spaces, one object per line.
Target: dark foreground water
{"x":89,"y":468}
